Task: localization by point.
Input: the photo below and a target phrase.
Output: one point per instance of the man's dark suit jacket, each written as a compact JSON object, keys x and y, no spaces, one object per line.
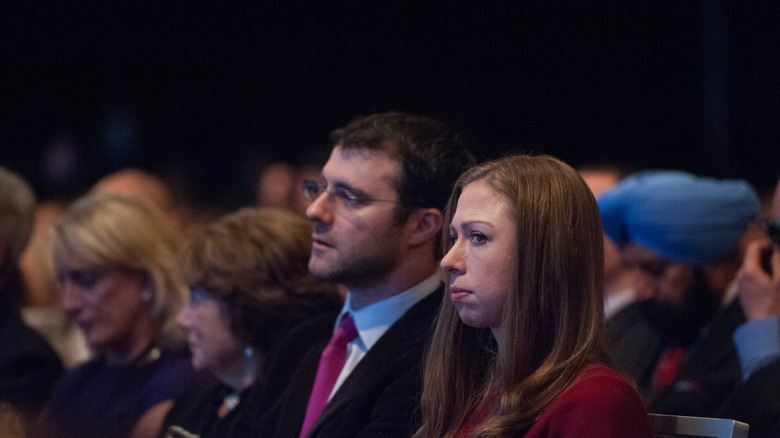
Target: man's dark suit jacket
{"x":710,"y":372}
{"x":28,"y":365}
{"x":632,"y":342}
{"x":757,"y":402}
{"x":381,"y":396}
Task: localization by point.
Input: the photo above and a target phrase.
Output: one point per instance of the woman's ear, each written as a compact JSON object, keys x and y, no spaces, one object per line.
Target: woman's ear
{"x":147,"y":291}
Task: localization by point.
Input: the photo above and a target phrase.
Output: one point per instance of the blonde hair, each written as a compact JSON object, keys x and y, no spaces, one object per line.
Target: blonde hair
{"x":124,"y":232}
{"x":552,"y":322}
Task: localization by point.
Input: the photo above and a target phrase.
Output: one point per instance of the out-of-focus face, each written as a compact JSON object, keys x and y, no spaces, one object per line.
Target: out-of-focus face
{"x":213,"y":346}
{"x":657,"y":278}
{"x":613,"y":266}
{"x":355,"y":239}
{"x":675,"y":297}
{"x":107,"y":304}
{"x":481,"y":262}
{"x":599,"y":181}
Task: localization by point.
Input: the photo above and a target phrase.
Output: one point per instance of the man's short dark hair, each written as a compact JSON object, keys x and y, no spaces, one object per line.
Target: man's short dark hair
{"x":431,"y":154}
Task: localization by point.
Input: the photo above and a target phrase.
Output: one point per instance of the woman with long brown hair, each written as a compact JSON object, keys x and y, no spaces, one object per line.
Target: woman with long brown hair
{"x":517,"y":348}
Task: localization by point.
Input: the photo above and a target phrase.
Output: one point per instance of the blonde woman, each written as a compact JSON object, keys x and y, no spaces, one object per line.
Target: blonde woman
{"x":517,"y":348}
{"x":114,"y":256}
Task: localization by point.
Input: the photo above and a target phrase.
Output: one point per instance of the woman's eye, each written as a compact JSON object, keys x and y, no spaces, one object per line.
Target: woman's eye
{"x":85,"y":279}
{"x":478,"y":238}
{"x":198,"y":296}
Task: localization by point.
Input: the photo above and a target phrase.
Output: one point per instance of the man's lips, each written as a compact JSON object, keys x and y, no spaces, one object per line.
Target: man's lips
{"x":321,"y":243}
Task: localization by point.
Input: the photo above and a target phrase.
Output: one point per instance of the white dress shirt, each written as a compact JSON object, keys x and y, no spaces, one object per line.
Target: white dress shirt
{"x":373,"y":321}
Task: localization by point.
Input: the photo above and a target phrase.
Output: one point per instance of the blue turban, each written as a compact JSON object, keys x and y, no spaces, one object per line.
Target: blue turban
{"x":684,"y":218}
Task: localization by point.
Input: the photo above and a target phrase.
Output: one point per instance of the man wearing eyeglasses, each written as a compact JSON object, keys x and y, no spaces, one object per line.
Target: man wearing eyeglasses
{"x":758,"y":340}
{"x":681,"y":235}
{"x":377,"y":214}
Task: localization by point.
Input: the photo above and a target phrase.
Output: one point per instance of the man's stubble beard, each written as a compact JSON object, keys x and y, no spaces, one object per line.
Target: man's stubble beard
{"x":682,"y":326}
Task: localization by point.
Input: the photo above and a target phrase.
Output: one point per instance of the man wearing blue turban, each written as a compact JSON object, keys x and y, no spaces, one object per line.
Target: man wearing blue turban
{"x":681,"y":235}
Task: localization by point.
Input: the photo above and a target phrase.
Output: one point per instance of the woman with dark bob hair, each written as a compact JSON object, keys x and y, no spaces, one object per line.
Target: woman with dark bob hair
{"x":517,"y":348}
{"x":249,"y":285}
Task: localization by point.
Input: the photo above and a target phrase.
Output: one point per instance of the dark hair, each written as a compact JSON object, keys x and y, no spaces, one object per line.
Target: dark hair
{"x":431,"y":154}
{"x":255,"y":261}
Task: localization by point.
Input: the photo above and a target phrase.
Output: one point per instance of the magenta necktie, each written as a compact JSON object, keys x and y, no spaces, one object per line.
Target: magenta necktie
{"x":331,"y":363}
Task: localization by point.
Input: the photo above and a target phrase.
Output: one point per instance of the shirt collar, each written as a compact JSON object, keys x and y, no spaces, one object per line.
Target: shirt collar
{"x":373,"y":321}
{"x":614,"y":303}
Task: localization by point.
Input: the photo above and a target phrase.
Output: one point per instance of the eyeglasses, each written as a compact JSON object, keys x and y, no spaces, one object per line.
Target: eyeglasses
{"x":199,"y":295}
{"x":83,"y":278}
{"x":339,"y":195}
{"x":88,"y":278}
{"x":653,"y":268}
{"x":772,"y":228}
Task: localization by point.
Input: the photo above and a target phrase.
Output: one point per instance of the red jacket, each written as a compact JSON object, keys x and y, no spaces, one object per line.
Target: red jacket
{"x":599,"y":404}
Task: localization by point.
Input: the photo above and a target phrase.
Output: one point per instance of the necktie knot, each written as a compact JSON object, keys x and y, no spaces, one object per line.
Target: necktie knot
{"x":347,"y":332}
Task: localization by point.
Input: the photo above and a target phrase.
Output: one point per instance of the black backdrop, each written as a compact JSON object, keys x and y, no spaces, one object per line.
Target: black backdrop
{"x":209,"y":93}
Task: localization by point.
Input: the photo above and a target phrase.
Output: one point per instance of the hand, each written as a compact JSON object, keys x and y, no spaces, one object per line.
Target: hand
{"x":759,"y":291}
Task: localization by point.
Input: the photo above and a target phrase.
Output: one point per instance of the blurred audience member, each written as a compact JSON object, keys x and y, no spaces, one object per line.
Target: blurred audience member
{"x":758,"y":339}
{"x":12,"y":425}
{"x":249,"y":285}
{"x":275,"y":185}
{"x":681,"y":233}
{"x":28,"y":365}
{"x":630,"y":340}
{"x":144,"y":184}
{"x":41,"y":309}
{"x":114,"y":256}
{"x":618,"y":281}
{"x":279,"y":186}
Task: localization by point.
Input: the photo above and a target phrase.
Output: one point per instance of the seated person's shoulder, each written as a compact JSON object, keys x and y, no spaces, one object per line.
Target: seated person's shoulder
{"x":597,"y":388}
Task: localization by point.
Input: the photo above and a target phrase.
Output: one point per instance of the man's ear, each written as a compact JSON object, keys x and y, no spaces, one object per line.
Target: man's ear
{"x":424,"y":225}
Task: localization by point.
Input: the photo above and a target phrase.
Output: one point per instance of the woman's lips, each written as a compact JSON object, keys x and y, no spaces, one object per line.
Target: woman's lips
{"x":457,"y":294}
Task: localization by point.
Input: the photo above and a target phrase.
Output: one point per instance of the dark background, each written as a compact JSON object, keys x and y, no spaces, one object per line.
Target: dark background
{"x":206,"y":95}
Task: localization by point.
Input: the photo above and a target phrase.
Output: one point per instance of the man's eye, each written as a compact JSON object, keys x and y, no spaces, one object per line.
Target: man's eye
{"x":345,"y":195}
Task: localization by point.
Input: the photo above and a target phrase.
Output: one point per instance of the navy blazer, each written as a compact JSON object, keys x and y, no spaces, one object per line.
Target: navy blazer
{"x":381,"y":396}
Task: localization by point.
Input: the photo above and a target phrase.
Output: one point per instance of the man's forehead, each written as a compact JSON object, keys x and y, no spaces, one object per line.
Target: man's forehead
{"x":360,"y":167}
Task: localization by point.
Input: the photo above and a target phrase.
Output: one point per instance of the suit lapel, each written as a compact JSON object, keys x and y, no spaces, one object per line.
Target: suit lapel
{"x":411,"y":330}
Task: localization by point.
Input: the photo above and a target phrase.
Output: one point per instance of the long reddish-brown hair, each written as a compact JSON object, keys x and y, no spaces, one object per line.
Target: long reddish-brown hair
{"x":551,"y":327}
